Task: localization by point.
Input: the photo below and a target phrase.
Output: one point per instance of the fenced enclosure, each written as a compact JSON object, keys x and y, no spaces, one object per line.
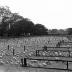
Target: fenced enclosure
{"x":55,"y":52}
{"x":43,"y":52}
{"x":66,"y":62}
{"x":38,"y":61}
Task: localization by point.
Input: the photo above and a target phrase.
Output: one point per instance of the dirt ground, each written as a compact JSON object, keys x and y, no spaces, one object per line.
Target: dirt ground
{"x":10,"y":68}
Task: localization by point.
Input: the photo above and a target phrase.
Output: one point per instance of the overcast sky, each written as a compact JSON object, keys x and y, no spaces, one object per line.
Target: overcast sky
{"x":51,"y":13}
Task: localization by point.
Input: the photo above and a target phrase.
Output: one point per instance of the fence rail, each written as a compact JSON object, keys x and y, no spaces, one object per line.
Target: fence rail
{"x":55,"y":53}
{"x":65,"y":69}
{"x":53,"y":60}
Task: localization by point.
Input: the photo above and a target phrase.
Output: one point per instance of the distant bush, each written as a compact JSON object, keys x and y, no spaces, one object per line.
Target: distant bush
{"x":14,"y":25}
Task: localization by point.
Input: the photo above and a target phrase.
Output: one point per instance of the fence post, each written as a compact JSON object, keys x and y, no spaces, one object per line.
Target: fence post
{"x":8,"y":47}
{"x":67,"y":65}
{"x":22,"y":62}
{"x":25,"y":62}
{"x":37,"y":52}
{"x":24,"y":48}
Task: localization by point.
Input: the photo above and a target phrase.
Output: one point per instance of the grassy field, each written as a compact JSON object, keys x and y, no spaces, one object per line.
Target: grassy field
{"x":32,"y":44}
{"x":8,"y":68}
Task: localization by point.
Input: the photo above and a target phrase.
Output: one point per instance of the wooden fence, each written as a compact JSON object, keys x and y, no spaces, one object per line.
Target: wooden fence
{"x":53,"y":60}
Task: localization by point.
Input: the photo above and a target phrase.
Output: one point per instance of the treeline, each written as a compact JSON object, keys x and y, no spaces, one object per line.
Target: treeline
{"x":12,"y":24}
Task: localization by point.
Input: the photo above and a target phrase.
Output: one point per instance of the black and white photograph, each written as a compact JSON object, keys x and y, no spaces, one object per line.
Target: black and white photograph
{"x":35,"y":35}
